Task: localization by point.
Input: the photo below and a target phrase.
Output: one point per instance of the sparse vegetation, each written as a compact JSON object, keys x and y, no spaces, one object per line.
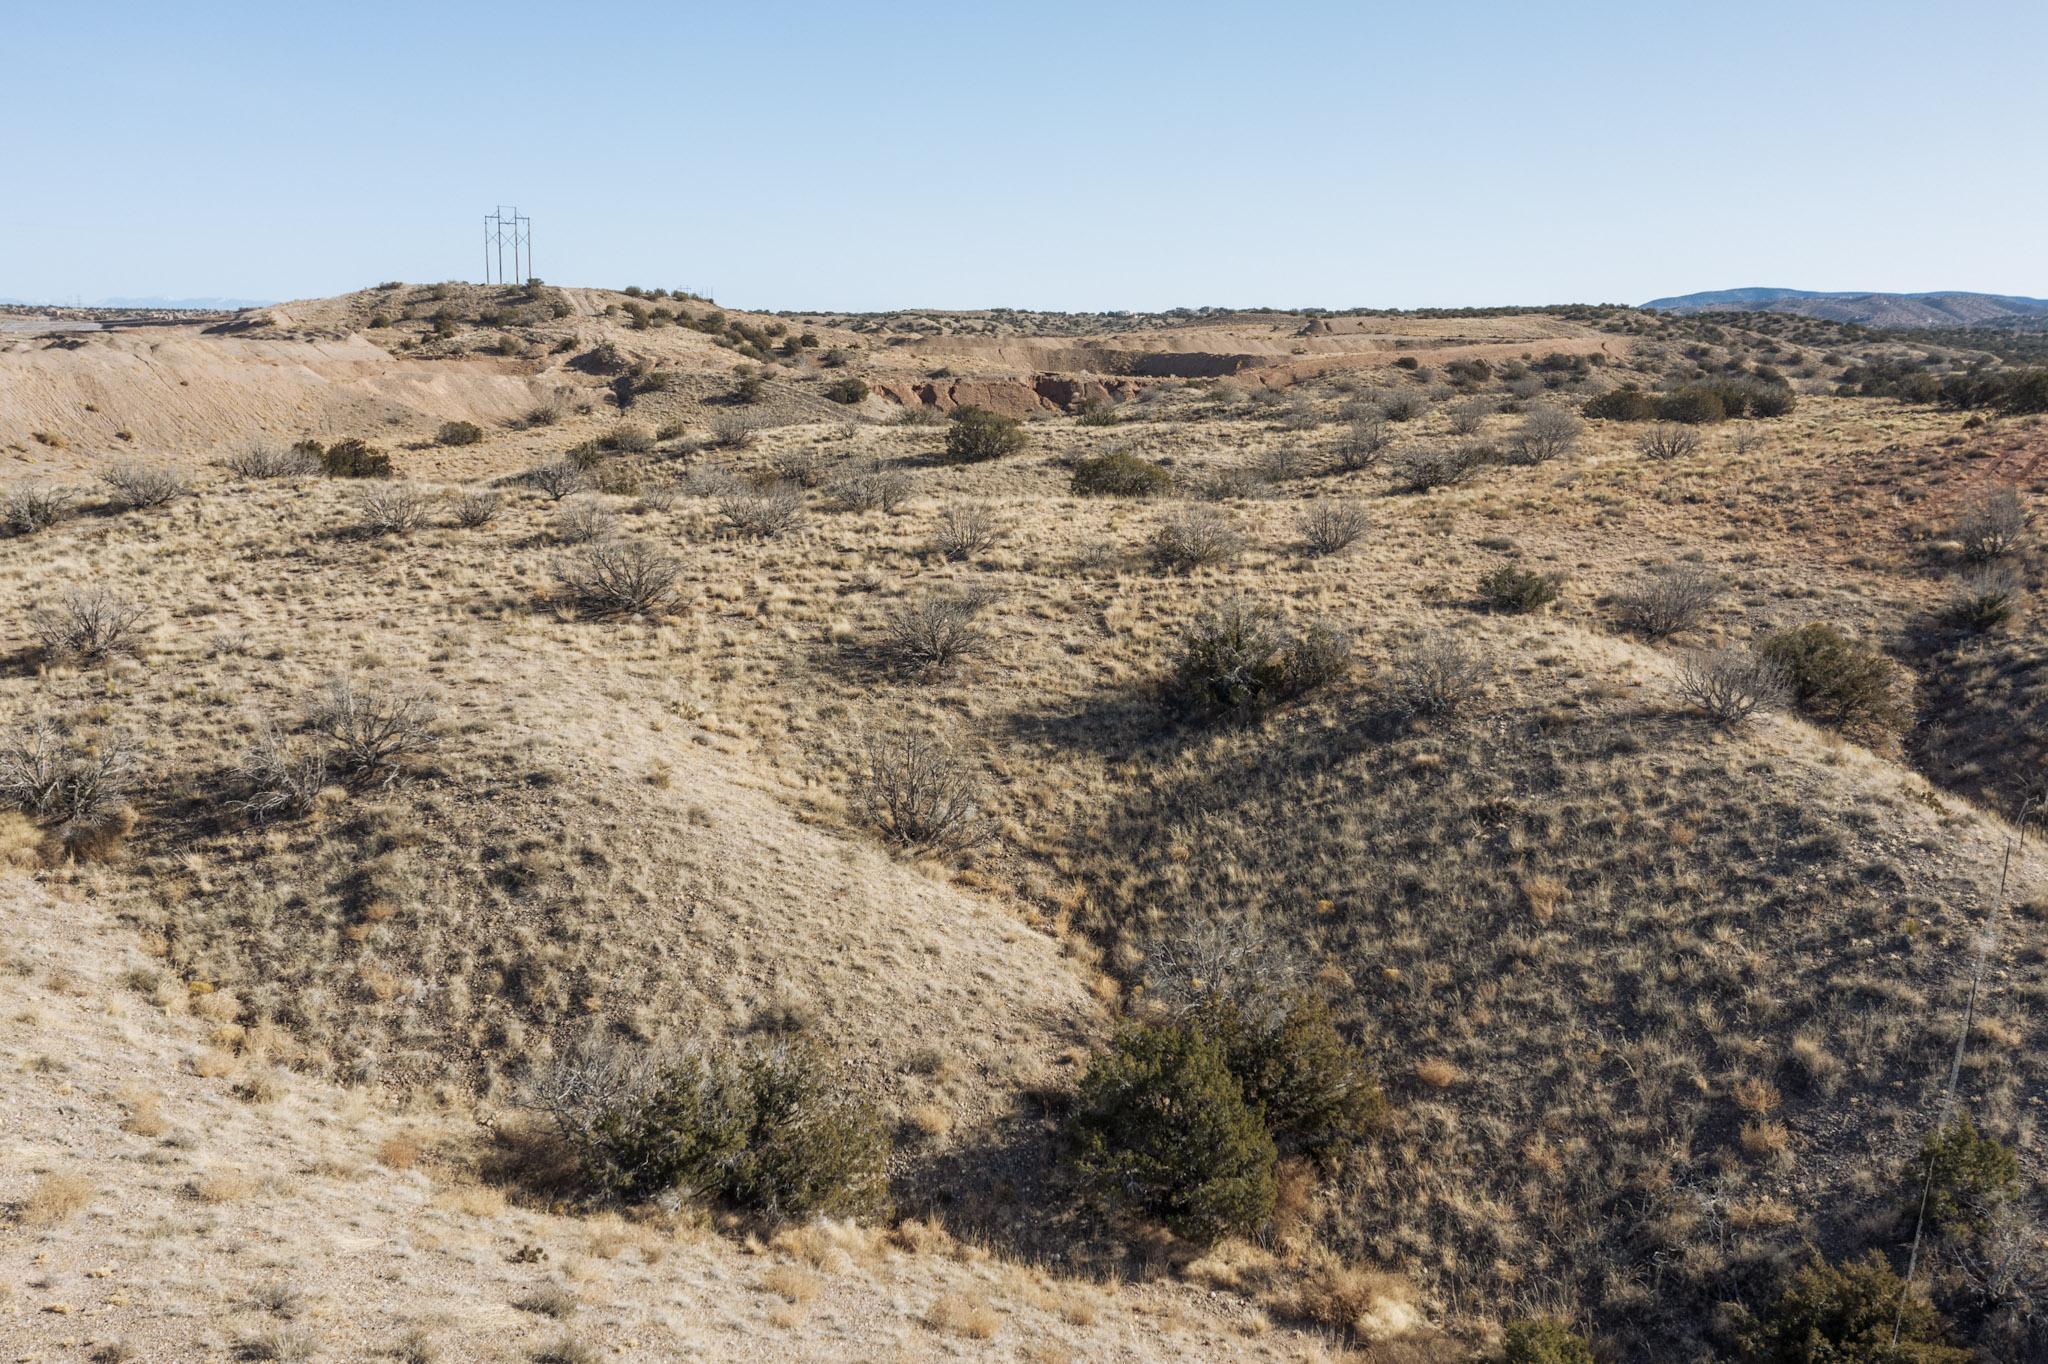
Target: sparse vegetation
{"x":141,"y":486}
{"x":1119,"y":473}
{"x":977,"y":434}
{"x":621,"y":578}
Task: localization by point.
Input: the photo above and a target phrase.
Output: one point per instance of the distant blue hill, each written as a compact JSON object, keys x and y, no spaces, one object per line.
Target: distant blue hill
{"x":1943,"y":308}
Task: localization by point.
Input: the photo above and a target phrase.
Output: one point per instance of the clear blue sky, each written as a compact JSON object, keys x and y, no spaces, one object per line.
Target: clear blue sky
{"x":1047,"y":155}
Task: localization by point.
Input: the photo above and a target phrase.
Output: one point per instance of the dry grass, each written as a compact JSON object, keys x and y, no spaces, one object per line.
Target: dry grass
{"x":53,"y":1197}
{"x":964,"y":1314}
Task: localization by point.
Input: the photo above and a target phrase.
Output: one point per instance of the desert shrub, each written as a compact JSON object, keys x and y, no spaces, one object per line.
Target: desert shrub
{"x":1436,"y":677}
{"x":1992,"y":525}
{"x":475,"y":507}
{"x":1772,"y":400}
{"x":762,"y":512}
{"x":917,"y":790}
{"x":1161,"y":1126}
{"x":32,"y":507}
{"x":584,"y":518}
{"x":966,"y":530}
{"x":545,"y":414}
{"x":871,"y":488}
{"x":1312,"y":1090}
{"x":1965,"y":1177}
{"x":771,"y":1129}
{"x":459,"y":433}
{"x":1694,"y":404}
{"x":1119,"y":473}
{"x":1331,"y":526}
{"x":1983,"y":599}
{"x":1427,"y":467}
{"x":734,"y":432}
{"x":621,"y":578}
{"x":1835,"y":679}
{"x":1669,"y":440}
{"x":274,"y":461}
{"x":627,"y":438}
{"x":1543,"y":1340}
{"x":1363,"y":445}
{"x":275,"y":779}
{"x":1547,"y":433}
{"x":68,"y":778}
{"x":804,"y":467}
{"x":917,"y":414}
{"x":1668,"y":602}
{"x":1625,"y":404}
{"x":748,"y":387}
{"x":1845,"y":1314}
{"x":935,"y":632}
{"x":1239,"y":659}
{"x":1403,"y":405}
{"x":848,"y":390}
{"x":1192,"y":539}
{"x":1731,"y":685}
{"x":88,"y":625}
{"x":371,"y":730}
{"x":978,"y":434}
{"x":557,"y":479}
{"x":1468,"y":416}
{"x":353,"y":458}
{"x":140,"y":486}
{"x":1096,"y":412}
{"x":394,"y":508}
{"x":1513,"y":589}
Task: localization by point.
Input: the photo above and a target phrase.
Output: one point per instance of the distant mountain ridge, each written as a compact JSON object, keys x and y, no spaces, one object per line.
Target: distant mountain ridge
{"x":186,"y":304}
{"x":1942,"y":308}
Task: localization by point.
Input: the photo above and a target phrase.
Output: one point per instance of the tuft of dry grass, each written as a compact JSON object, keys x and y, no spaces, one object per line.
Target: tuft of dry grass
{"x":965,"y":1314}
{"x":54,"y":1197}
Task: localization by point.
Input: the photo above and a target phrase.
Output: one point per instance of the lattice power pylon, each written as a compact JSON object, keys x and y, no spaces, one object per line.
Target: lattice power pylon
{"x":506,"y":228}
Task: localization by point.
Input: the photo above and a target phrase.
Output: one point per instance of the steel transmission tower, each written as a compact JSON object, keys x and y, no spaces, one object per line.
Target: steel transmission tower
{"x":506,"y":228}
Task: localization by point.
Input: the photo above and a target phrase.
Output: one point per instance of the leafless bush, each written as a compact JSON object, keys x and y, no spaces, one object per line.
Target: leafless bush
{"x":1192,"y":539}
{"x":65,"y":778}
{"x":1279,"y":464}
{"x":933,"y":633}
{"x":871,"y":488}
{"x":965,"y":530}
{"x":1427,"y":467}
{"x":806,"y":468}
{"x":1438,"y":676}
{"x":36,"y":506}
{"x":1365,"y":443}
{"x":558,"y":479}
{"x":1548,"y":432}
{"x":1669,"y":440}
{"x":621,"y":578}
{"x":1730,"y":685}
{"x":1993,"y":525}
{"x":372,"y":729}
{"x":1331,"y":526}
{"x":759,"y":513}
{"x":394,"y":508}
{"x":136,"y":485}
{"x":277,"y":779}
{"x":1668,"y":602}
{"x":1233,"y":482}
{"x":733,"y":432}
{"x":1468,"y":416}
{"x":582,"y":519}
{"x":88,"y":625}
{"x":917,"y":790}
{"x":264,"y":460}
{"x":475,"y":507}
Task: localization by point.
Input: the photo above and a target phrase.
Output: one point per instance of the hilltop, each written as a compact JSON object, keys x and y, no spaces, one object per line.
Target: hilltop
{"x":1944,"y":308}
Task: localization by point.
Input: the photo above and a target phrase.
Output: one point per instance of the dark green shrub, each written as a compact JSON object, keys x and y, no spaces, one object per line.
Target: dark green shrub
{"x":1626,"y":404}
{"x":1308,"y":1085}
{"x":1516,"y":590}
{"x":748,"y":388}
{"x":1096,"y":412}
{"x":848,"y":390}
{"x":1161,"y":1127}
{"x":978,"y":434}
{"x":1544,"y":1340}
{"x":1966,"y":1176}
{"x":1843,"y":1314}
{"x":1239,"y":659}
{"x":353,"y":458}
{"x":813,"y":1148}
{"x":1695,"y":404}
{"x":1983,"y":599}
{"x":1119,"y":473}
{"x":1834,"y":678}
{"x":1772,"y":400}
{"x":459,"y":433}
